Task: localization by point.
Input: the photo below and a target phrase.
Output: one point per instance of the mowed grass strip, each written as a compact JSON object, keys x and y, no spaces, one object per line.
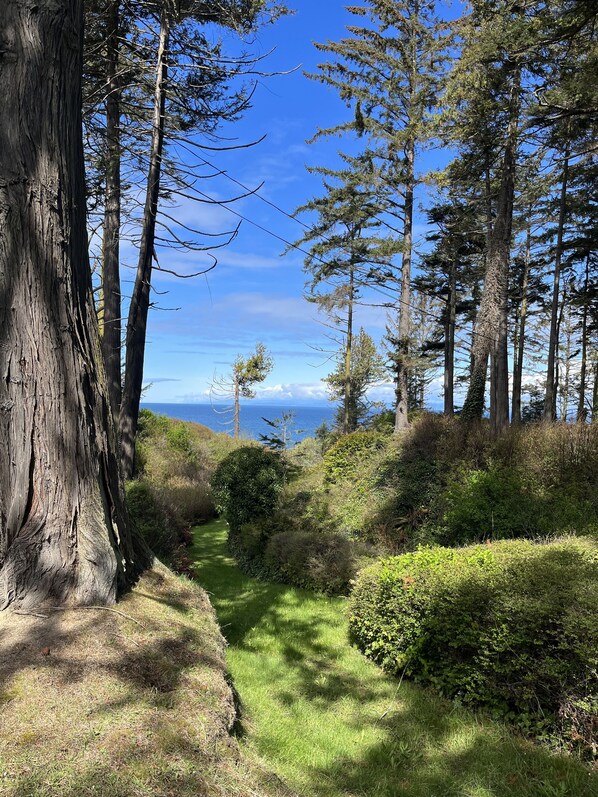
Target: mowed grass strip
{"x":331,"y":723}
{"x":129,"y":701}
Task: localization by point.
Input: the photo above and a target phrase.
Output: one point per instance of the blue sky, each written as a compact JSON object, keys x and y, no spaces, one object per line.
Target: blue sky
{"x":255,"y":293}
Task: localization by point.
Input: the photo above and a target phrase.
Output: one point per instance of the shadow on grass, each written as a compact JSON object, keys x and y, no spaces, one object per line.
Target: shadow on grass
{"x":332,"y":724}
{"x":95,"y":703}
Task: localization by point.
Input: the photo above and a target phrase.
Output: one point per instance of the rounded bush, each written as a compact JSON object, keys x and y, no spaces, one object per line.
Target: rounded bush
{"x":247,"y":484}
{"x":511,"y":626}
{"x":311,"y":559}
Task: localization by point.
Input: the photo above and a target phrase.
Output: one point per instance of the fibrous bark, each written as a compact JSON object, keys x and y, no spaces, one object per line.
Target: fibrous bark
{"x":111,"y":327}
{"x":63,"y":535}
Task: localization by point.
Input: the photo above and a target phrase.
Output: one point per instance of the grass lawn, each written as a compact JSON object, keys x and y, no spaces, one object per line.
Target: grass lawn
{"x":130,"y":701}
{"x":331,"y":723}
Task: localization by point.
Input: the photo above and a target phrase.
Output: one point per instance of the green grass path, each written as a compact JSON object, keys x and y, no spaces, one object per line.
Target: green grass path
{"x":330,"y":723}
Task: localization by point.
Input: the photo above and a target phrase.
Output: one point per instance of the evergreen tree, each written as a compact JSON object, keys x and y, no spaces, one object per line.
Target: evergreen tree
{"x":63,"y":531}
{"x":492,"y":36}
{"x":366,"y":369}
{"x":245,"y":374}
{"x":348,"y":251}
{"x":389,"y":72}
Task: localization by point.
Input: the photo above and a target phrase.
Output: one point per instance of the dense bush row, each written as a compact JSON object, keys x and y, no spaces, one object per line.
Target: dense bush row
{"x":511,"y":626}
{"x":171,"y":490}
{"x":281,"y":541}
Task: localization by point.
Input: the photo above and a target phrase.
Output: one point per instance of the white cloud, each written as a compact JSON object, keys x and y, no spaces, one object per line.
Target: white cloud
{"x":315,"y":391}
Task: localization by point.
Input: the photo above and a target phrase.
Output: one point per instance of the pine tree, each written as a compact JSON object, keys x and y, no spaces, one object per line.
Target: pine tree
{"x":389,"y":72}
{"x":348,"y":251}
{"x":365,"y":370}
{"x":492,"y":36}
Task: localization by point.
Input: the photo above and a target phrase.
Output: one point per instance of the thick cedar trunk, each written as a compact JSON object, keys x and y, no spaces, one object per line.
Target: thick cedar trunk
{"x":402,"y":379}
{"x":348,"y":421}
{"x":449,"y":343}
{"x":111,"y":326}
{"x":63,"y":536}
{"x":553,"y":342}
{"x":490,"y":337}
{"x":519,"y":338}
{"x":140,"y":300}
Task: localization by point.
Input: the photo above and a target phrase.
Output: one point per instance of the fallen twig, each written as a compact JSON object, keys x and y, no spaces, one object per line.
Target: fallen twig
{"x":31,"y":614}
{"x":96,"y":608}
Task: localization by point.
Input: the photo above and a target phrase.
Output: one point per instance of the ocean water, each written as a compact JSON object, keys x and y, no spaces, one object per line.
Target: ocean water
{"x":307,"y":419}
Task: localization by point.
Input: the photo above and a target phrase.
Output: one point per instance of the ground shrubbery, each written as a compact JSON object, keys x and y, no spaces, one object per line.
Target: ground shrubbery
{"x":155,"y":525}
{"x":511,"y":626}
{"x":344,"y":458}
{"x":171,"y":491}
{"x":450,"y":484}
{"x":290,"y":540}
{"x":247,"y":484}
{"x":311,"y":559}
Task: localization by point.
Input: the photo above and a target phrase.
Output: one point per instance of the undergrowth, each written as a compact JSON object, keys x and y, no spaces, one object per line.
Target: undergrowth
{"x":332,"y":724}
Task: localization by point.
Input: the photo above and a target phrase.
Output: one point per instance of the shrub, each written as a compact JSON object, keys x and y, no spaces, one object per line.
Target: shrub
{"x":189,"y":500}
{"x":311,"y":559}
{"x":247,"y":484}
{"x":488,"y":504}
{"x":343,"y":459}
{"x":160,"y":533}
{"x":511,"y":626}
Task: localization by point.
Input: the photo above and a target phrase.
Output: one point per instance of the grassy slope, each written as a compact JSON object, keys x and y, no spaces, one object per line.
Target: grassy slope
{"x":330,"y":723}
{"x":97,"y":703}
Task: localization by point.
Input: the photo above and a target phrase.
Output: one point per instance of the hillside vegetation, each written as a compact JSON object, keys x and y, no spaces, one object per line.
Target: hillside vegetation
{"x":508,"y":626}
{"x":130,"y":702}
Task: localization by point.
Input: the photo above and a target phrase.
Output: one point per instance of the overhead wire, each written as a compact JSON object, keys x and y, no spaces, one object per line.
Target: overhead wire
{"x":296,"y":246}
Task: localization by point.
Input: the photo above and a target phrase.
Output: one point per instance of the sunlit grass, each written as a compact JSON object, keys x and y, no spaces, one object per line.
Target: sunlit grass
{"x":330,"y":723}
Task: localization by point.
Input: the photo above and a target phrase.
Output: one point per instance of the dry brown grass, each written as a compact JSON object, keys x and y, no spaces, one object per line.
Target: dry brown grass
{"x":96,"y":703}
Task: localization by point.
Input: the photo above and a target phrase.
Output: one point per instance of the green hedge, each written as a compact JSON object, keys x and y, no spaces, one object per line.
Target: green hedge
{"x":311,"y":559}
{"x":247,"y":485}
{"x":511,"y":626}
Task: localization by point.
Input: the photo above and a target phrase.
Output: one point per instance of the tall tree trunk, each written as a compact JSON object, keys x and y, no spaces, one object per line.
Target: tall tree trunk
{"x":519,"y":340}
{"x":140,"y":300}
{"x":595,"y":394}
{"x":111,"y":324}
{"x":553,"y":342}
{"x":402,"y":355}
{"x":557,"y":368}
{"x":490,"y":338}
{"x":348,"y":421}
{"x":566,"y":384}
{"x":63,"y":535}
{"x":449,"y":342}
{"x":582,"y":411}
